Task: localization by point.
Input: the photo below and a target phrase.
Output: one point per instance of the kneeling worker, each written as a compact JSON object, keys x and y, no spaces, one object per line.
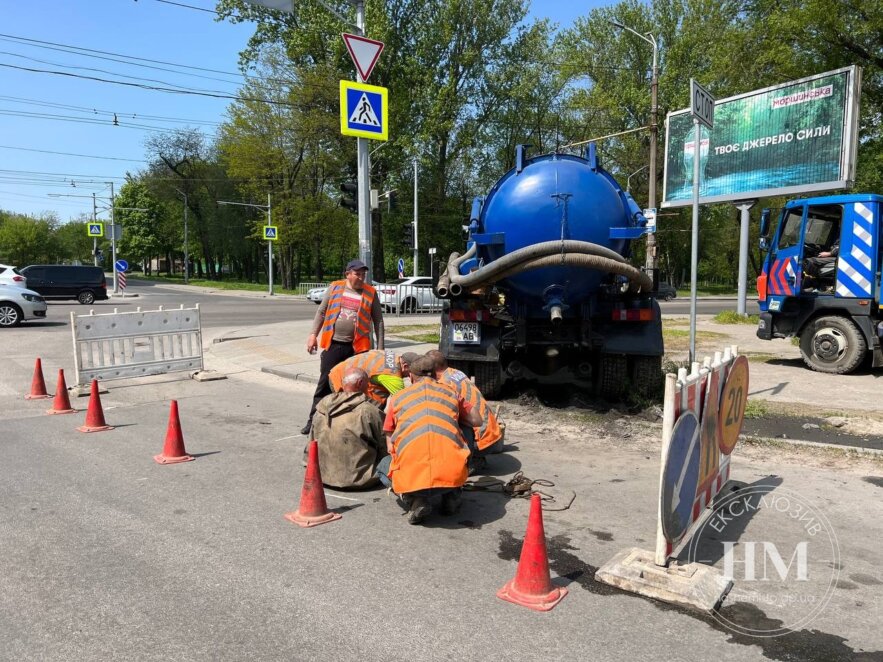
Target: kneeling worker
{"x":428,"y":452}
{"x":349,"y":430}
{"x":386,"y":372}
{"x":487,"y":437}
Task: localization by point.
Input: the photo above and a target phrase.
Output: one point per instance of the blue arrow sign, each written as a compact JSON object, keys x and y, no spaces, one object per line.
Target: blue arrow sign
{"x":401,"y":265}
{"x":364,"y":111}
{"x":121,"y":265}
{"x":680,"y":477}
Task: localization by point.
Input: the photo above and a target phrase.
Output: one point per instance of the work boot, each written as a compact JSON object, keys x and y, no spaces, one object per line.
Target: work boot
{"x":306,"y":429}
{"x":451,"y":502}
{"x":477,"y":464}
{"x":418,"y":510}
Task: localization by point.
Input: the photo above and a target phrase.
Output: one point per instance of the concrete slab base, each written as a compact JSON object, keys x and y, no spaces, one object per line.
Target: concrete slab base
{"x":692,"y":585}
{"x":208,"y":376}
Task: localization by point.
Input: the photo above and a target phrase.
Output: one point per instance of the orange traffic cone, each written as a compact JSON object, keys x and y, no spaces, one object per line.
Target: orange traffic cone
{"x":62,"y":403}
{"x":173,"y":450}
{"x":94,"y":414}
{"x":532,"y":586}
{"x":38,"y":386}
{"x":312,"y":509}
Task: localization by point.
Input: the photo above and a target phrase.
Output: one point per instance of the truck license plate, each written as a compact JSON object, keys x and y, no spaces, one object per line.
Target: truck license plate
{"x":466,"y":333}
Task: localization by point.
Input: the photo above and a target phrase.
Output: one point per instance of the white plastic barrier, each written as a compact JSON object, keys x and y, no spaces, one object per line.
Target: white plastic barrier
{"x":135,"y":344}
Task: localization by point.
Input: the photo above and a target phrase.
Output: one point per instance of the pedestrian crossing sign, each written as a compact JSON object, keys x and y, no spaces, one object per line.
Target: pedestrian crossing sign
{"x":364,"y":112}
{"x":271,"y":233}
{"x":95,"y":229}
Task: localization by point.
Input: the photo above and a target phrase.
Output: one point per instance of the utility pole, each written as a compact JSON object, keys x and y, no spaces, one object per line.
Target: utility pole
{"x":186,"y":245}
{"x":416,"y":251}
{"x":654,"y":131}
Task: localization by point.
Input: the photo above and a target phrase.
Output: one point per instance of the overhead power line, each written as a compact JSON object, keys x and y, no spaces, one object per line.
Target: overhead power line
{"x":85,"y":156}
{"x":201,"y":93}
{"x":108,"y":113}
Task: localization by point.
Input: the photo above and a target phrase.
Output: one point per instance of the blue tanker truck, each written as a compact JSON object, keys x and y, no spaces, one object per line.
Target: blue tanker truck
{"x":545,"y":290}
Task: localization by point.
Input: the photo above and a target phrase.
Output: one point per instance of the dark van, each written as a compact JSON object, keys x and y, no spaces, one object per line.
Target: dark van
{"x":63,"y":281}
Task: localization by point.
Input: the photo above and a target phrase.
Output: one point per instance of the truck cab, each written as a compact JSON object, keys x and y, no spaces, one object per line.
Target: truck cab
{"x":820,"y":280}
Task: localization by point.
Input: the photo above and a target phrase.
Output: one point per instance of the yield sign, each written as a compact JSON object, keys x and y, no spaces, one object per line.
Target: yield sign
{"x":364,"y":53}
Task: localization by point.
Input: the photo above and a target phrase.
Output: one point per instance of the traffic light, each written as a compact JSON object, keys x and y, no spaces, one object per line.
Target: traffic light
{"x":408,"y":236}
{"x":350,"y":198}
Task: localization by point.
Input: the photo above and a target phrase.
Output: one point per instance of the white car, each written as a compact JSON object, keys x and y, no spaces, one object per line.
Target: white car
{"x":10,"y":276}
{"x":316,"y":294}
{"x":18,"y":303}
{"x":409,"y":294}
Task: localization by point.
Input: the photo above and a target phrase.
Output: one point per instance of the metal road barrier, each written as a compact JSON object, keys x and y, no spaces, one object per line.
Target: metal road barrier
{"x":409,"y":299}
{"x":135,"y":344}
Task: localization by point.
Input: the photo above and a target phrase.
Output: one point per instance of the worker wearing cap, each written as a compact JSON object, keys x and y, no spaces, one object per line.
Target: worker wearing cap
{"x":386,"y":372}
{"x":342,"y":326}
{"x":487,"y":437}
{"x":428,"y":454}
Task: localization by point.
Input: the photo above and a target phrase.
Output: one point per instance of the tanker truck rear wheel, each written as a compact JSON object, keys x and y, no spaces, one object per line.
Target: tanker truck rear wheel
{"x":646,"y":376}
{"x":489,"y":379}
{"x":612,"y":375}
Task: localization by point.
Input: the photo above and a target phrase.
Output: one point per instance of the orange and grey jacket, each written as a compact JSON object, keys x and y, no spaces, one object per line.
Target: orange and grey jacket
{"x":489,"y":432}
{"x":428,"y":449}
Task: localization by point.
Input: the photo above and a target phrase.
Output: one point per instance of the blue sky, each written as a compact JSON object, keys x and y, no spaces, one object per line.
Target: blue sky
{"x":150,"y":29}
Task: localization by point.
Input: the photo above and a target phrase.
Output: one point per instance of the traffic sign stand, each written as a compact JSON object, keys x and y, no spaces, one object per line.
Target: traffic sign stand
{"x":701,"y":419}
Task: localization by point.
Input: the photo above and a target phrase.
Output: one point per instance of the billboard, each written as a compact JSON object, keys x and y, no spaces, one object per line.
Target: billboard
{"x":786,"y":139}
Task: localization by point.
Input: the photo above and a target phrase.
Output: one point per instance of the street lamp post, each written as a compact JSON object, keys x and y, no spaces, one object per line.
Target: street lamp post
{"x":654,"y":130}
{"x":628,"y":180}
{"x":186,"y":245}
{"x":269,"y":208}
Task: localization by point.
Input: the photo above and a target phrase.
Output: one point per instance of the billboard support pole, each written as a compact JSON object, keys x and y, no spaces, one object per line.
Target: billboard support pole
{"x":694,"y":244}
{"x":744,"y":220}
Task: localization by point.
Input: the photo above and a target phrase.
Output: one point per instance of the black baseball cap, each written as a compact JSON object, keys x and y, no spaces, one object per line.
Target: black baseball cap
{"x":355,"y":265}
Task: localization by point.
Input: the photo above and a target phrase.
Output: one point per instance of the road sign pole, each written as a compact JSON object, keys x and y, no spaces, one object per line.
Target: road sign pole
{"x":113,"y":243}
{"x":694,"y":247}
{"x":364,"y":172}
{"x":94,"y":239}
{"x":270,"y":244}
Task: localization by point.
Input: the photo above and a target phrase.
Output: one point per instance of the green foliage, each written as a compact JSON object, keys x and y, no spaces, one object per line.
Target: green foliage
{"x":732,"y":317}
{"x":25,"y":240}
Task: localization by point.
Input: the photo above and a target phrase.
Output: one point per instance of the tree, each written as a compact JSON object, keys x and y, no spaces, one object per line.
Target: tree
{"x":26,"y":240}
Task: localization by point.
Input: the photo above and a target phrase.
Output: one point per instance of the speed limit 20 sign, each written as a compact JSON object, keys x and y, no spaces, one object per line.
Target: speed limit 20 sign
{"x":733,"y":401}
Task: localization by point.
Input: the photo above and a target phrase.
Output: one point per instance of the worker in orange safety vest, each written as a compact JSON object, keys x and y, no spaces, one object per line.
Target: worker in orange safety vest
{"x":342,"y":326}
{"x":487,"y":437}
{"x":428,"y":453}
{"x":386,"y":372}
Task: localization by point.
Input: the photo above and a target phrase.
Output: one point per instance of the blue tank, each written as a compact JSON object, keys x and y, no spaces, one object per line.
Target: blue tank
{"x":548,"y":198}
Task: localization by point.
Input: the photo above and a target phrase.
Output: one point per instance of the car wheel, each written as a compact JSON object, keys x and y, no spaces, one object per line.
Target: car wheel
{"x":10,"y":314}
{"x":667,"y":297}
{"x":409,"y":305}
{"x":86,"y":297}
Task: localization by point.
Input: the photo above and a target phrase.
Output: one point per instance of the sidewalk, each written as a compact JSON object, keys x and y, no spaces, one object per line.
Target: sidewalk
{"x":279,"y":348}
{"x":778,"y":373}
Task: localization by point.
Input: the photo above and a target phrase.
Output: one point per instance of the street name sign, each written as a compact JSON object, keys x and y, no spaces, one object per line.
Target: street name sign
{"x":364,"y":111}
{"x":364,"y":52}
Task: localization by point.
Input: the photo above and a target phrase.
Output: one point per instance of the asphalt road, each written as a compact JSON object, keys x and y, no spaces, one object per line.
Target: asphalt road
{"x":216,"y":310}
